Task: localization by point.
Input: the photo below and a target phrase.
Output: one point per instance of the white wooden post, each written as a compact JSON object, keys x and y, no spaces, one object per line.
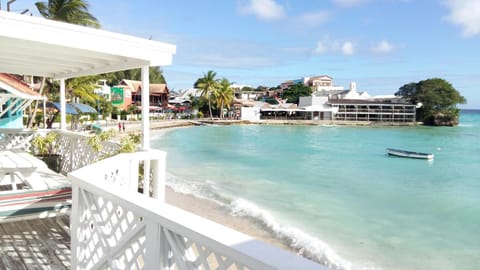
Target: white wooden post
{"x":74,"y":220}
{"x":133,"y":178}
{"x":145,"y":107}
{"x":44,"y":112}
{"x":159,"y":168}
{"x":153,"y":238}
{"x":63,"y":106}
{"x":146,"y":177}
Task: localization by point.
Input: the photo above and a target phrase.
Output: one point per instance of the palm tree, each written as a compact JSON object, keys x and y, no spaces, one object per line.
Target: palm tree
{"x":155,"y":75}
{"x":208,"y":84}
{"x":69,"y":11}
{"x":82,"y":88}
{"x":224,"y":95}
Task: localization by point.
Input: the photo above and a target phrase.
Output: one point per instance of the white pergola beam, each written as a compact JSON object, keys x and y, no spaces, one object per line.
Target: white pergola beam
{"x":64,"y":47}
{"x":39,"y":47}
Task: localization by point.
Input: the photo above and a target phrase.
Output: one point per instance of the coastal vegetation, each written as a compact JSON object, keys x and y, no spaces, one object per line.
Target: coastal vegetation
{"x":436,"y":99}
{"x":216,"y":90}
{"x":208,"y":85}
{"x":293,"y":93}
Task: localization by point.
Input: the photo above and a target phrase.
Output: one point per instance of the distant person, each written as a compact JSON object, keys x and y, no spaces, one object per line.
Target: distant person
{"x":123,"y":126}
{"x":119,"y":126}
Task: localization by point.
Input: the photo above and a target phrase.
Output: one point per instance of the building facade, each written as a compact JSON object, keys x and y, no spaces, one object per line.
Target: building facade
{"x":129,"y":92}
{"x":15,"y":96}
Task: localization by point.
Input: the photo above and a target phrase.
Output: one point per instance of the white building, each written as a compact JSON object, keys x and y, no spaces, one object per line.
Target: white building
{"x":103,"y":90}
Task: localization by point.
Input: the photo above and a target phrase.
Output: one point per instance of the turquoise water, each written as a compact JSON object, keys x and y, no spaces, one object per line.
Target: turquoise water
{"x":333,"y":192}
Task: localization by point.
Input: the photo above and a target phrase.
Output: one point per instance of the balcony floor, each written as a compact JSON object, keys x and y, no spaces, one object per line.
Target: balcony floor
{"x":35,"y":244}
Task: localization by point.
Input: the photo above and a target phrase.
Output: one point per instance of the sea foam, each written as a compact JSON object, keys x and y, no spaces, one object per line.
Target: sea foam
{"x":301,"y":242}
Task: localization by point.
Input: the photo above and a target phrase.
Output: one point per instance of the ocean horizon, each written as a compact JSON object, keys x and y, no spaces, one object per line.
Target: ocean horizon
{"x":333,"y":194}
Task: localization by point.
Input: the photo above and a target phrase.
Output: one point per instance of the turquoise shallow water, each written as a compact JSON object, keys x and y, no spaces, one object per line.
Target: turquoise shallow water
{"x":333,"y":192}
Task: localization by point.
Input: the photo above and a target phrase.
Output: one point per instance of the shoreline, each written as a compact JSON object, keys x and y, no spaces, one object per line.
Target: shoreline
{"x":203,"y":207}
{"x":210,"y":210}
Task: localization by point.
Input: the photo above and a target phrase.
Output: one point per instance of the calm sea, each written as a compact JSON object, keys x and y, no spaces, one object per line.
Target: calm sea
{"x":333,"y":192}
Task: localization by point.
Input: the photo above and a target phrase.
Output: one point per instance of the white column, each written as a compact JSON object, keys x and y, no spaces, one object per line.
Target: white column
{"x":145,"y":108}
{"x":159,"y":167}
{"x":63,"y":107}
{"x":44,"y":113}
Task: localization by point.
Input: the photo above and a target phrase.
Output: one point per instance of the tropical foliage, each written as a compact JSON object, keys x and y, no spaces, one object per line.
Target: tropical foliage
{"x":70,"y":11}
{"x":293,"y":93}
{"x":224,"y":95}
{"x":218,"y":93}
{"x":208,"y":84}
{"x":114,"y":78}
{"x":437,"y":100}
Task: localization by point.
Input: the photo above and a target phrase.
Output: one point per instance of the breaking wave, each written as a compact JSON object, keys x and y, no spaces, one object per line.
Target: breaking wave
{"x":299,"y":241}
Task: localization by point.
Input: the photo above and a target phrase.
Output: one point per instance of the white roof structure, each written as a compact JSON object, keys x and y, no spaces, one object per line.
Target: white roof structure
{"x":36,"y":46}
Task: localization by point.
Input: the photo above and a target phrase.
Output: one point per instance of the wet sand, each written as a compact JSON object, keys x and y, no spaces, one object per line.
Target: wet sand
{"x":212,"y":211}
{"x":199,"y":206}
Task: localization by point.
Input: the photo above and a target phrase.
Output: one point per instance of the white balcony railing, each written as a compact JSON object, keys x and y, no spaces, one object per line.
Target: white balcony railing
{"x":73,"y":147}
{"x":113,"y":226}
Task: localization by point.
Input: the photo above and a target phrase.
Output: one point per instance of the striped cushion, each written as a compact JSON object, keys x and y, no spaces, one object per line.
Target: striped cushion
{"x":35,"y":202}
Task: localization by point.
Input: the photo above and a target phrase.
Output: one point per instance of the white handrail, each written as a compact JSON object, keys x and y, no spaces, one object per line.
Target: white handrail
{"x":113,"y":226}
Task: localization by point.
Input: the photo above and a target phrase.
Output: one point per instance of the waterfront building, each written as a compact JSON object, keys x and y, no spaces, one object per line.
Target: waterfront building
{"x":331,"y":104}
{"x":158,"y":92}
{"x":15,"y":96}
{"x":317,"y":83}
{"x":102,"y":89}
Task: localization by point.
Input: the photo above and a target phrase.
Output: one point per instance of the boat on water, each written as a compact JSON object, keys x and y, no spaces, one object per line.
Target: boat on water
{"x":408,"y":154}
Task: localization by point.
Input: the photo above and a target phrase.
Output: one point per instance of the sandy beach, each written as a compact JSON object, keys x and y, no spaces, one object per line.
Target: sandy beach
{"x":199,"y":206}
{"x":212,"y":211}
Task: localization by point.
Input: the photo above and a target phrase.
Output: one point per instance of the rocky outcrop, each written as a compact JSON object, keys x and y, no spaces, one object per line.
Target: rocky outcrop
{"x":441,"y":119}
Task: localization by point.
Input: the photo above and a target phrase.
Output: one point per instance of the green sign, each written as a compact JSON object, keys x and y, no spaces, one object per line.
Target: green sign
{"x":117,"y":96}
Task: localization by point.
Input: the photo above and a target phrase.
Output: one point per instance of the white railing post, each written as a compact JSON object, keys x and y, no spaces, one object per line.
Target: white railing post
{"x":133,"y":176}
{"x":153,"y":240}
{"x":63,"y":106}
{"x":74,"y":221}
{"x":159,"y":176}
{"x":146,"y":177}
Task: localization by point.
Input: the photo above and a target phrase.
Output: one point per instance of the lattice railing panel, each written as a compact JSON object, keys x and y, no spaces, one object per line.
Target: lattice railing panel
{"x":115,"y":227}
{"x":72,"y":147}
{"x":110,"y":237}
{"x":76,"y":152}
{"x":15,"y":139}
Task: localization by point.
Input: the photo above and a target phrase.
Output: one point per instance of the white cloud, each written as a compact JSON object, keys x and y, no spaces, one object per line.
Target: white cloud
{"x":311,"y":19}
{"x":348,"y":48}
{"x":383,"y":47}
{"x":232,"y":61}
{"x":465,"y":13}
{"x":349,"y":3}
{"x":321,"y":48}
{"x":327,"y":46}
{"x":264,"y":9}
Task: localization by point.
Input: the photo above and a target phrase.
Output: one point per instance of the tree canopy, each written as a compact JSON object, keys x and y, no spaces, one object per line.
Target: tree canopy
{"x":155,"y":75}
{"x":294,"y":92}
{"x":70,"y":11}
{"x":208,"y":84}
{"x":438,"y":100}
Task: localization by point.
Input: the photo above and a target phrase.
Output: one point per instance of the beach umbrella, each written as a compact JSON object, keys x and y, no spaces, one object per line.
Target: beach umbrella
{"x":83,"y":108}
{"x":56,"y":105}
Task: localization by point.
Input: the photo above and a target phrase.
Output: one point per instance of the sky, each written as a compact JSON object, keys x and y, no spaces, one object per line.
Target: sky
{"x":379,"y":44}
